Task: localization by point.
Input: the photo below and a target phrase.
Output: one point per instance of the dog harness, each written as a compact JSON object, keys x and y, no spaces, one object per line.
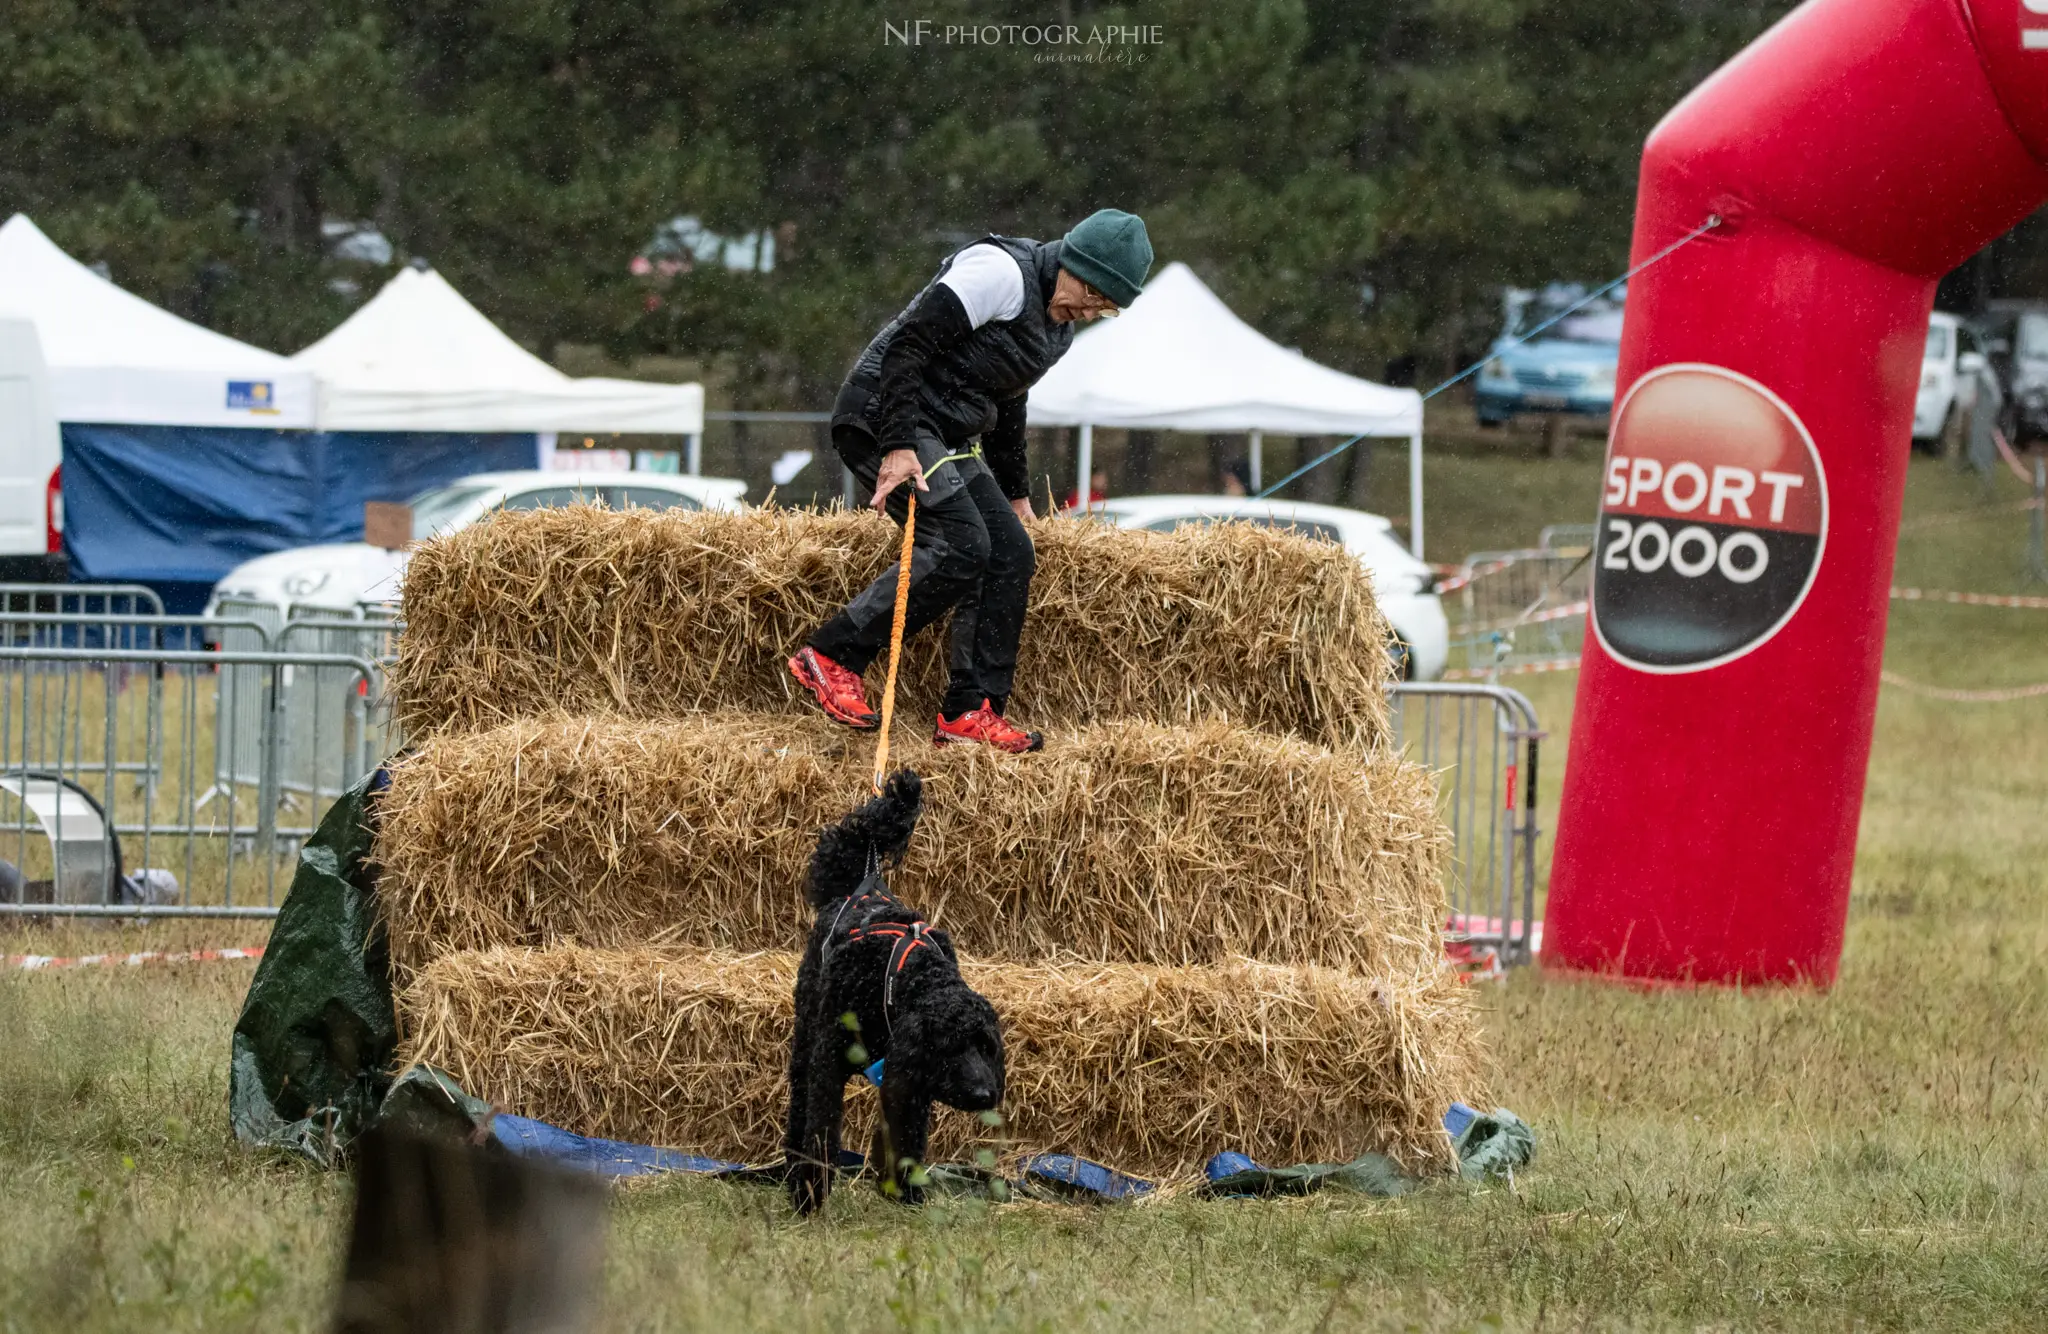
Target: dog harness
{"x":909,"y":937}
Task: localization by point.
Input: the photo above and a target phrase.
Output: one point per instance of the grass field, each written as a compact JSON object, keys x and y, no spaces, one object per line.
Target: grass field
{"x":1872,"y":1157}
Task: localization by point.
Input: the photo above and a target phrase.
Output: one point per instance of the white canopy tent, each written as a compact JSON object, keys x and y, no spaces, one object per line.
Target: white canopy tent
{"x":417,"y":357}
{"x":1179,"y":360}
{"x":115,"y":358}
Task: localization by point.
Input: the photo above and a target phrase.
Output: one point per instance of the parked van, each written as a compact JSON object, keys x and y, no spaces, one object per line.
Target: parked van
{"x":31,"y":501}
{"x":1948,"y":382}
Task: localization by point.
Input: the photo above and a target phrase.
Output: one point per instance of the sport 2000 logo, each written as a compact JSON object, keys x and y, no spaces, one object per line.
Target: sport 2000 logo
{"x":1712,"y":523}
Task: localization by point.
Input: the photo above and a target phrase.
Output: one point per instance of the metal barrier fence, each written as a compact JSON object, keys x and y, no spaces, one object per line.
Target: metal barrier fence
{"x":368,"y":633}
{"x":48,"y":629}
{"x":1483,"y":742}
{"x":139,"y":633}
{"x":81,"y":599}
{"x":249,"y":625}
{"x":1568,"y":538}
{"x":356,"y":636}
{"x":142,"y":781}
{"x":1509,"y":607}
{"x":129,"y":738}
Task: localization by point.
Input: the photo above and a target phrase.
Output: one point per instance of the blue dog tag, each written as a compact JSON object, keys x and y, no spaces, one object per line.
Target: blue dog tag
{"x":874,"y":1073}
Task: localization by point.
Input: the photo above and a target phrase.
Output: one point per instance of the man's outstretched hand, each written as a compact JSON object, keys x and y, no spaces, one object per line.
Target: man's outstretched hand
{"x":898,"y":467}
{"x":1022,"y":505}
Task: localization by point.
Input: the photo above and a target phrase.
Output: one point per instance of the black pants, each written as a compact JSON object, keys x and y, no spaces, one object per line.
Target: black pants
{"x":970,"y":556}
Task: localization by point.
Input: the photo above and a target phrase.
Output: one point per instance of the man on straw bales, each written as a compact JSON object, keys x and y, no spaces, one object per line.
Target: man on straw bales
{"x":937,"y":402}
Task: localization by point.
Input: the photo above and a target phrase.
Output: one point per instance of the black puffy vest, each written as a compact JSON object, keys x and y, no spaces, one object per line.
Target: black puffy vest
{"x":999,"y":360}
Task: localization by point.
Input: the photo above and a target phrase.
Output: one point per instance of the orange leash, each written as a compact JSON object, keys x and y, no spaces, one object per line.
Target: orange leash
{"x":896,"y":641}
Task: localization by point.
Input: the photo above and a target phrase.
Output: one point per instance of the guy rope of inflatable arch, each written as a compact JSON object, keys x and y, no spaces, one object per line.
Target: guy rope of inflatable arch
{"x":902,"y":615}
{"x":1713,"y":221}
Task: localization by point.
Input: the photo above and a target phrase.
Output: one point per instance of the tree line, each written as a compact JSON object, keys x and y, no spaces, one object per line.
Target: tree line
{"x":1356,"y":177}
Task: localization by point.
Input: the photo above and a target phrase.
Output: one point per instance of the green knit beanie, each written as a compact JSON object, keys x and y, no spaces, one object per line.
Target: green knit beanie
{"x":1110,"y":252}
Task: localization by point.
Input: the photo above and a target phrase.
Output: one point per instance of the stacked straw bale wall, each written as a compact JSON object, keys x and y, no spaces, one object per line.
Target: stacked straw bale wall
{"x":1148,"y":1068}
{"x":1126,"y":841}
{"x":1208,"y":914}
{"x":657,"y":613}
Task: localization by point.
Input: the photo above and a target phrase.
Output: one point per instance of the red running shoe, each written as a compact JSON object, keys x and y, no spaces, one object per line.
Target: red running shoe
{"x":837,"y":690}
{"x":987,"y":727}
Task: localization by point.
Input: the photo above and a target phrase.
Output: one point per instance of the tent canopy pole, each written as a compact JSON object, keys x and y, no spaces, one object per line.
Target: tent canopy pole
{"x":1084,"y":465}
{"x":1415,"y":493}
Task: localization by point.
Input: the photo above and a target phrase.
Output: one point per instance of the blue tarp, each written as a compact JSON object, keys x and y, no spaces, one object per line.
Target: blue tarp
{"x":1487,"y":1145}
{"x":1063,"y":1175}
{"x":606,"y":1157}
{"x":1080,"y":1177}
{"x":177,"y":507}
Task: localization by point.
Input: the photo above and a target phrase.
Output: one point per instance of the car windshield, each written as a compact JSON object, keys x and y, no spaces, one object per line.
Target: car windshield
{"x":432,"y":509}
{"x":1598,"y":320}
{"x":1596,"y":327}
{"x":1937,"y":342}
{"x":654,"y":498}
{"x":2033,"y":339}
{"x":1321,"y":532}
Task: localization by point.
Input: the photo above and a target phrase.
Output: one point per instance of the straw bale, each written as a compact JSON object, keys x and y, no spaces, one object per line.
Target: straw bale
{"x":1148,"y":1069}
{"x":654,"y":613}
{"x":1125,"y":841}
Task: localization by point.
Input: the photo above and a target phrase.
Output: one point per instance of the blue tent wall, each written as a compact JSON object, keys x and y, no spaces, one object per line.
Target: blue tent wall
{"x":177,"y":507}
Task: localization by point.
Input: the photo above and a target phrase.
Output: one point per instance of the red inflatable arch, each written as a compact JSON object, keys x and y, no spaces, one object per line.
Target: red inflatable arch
{"x":1854,"y":154}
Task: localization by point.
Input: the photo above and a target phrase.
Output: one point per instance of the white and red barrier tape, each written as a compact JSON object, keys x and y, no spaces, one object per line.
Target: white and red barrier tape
{"x":2000,"y":696}
{"x":2020,"y":600}
{"x":1460,"y":925}
{"x":1565,"y":612}
{"x":1952,"y":517}
{"x":1475,"y":960}
{"x":2012,"y":460}
{"x":1458,"y":581}
{"x":2028,"y":602}
{"x":37,"y":963}
{"x":2003,"y":695}
{"x":1972,"y":599}
{"x":1567,"y":664}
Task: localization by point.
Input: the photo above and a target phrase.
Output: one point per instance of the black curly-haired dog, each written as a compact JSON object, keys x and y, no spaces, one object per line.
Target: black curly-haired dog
{"x":873,"y":957}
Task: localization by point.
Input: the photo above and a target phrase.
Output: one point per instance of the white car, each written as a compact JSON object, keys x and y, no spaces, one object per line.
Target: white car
{"x":1948,"y":377}
{"x":339,"y":576}
{"x":1405,"y":586}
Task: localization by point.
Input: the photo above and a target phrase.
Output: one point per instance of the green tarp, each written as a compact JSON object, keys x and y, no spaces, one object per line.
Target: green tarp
{"x":1368,"y":1174}
{"x":1494,"y":1145}
{"x":317,"y":1036}
{"x":1487,"y":1146}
